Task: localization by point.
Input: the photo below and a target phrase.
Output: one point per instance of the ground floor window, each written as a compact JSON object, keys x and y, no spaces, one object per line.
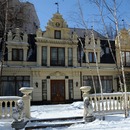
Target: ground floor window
{"x":10,"y":85}
{"x":71,"y":93}
{"x":44,"y":90}
{"x":107,"y":83}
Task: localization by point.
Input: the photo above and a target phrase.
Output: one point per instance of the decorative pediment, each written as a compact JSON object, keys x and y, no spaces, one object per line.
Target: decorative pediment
{"x":89,"y":43}
{"x":57,"y":73}
{"x":57,"y":23}
{"x":17,"y":36}
{"x":124,"y":39}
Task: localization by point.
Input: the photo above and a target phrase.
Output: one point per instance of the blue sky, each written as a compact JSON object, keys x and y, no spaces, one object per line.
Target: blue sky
{"x":70,"y":10}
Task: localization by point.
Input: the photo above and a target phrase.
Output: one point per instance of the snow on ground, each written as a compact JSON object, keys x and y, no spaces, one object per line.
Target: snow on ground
{"x":111,"y":122}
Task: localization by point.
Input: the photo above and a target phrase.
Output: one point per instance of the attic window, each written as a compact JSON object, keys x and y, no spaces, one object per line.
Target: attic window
{"x":57,"y":34}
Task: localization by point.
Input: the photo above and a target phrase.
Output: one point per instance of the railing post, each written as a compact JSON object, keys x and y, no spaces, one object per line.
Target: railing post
{"x":88,"y":109}
{"x":26,"y":99}
{"x":85,"y":90}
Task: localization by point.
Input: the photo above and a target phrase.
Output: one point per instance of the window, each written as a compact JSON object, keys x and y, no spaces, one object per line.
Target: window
{"x":44,"y":56}
{"x":70,"y":57}
{"x":44,"y":90}
{"x":71,"y":93}
{"x":12,"y":84}
{"x":57,"y":34}
{"x":126,"y":58}
{"x":17,"y":54}
{"x":57,"y":56}
{"x":91,"y":57}
{"x":107,"y":83}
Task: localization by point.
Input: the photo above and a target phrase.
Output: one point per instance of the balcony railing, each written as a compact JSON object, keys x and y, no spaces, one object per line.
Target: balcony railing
{"x":7,"y":103}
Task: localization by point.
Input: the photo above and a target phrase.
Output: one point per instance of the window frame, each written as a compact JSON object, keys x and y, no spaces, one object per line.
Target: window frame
{"x":92,"y":59}
{"x":70,"y":56}
{"x":57,"y":34}
{"x":125,"y":61}
{"x":18,"y":56}
{"x":44,"y":57}
{"x":57,"y":62}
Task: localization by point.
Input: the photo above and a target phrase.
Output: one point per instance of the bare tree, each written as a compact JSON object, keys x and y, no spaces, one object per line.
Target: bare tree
{"x":112,"y":8}
{"x":16,"y":15}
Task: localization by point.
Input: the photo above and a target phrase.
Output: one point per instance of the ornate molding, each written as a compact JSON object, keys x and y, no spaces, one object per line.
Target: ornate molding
{"x":53,"y":41}
{"x":57,"y":73}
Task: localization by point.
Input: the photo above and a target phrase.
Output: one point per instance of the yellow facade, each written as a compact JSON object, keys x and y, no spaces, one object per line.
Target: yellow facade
{"x":53,"y":83}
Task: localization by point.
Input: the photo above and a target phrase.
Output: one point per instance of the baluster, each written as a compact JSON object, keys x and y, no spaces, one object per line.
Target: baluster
{"x":6,"y":111}
{"x":98,"y":103}
{"x":1,"y":109}
{"x":117,"y":102}
{"x":110,"y":103}
{"x":114,"y":103}
{"x":94,"y":101}
{"x":120,"y":102}
{"x":10,"y":113}
{"x":129,"y":101}
{"x":106,"y":103}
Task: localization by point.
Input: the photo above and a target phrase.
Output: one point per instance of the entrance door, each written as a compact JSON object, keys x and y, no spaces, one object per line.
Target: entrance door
{"x":58,"y":91}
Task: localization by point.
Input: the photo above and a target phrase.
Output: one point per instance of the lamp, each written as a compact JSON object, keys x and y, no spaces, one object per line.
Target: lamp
{"x":36,"y":84}
{"x":76,"y":84}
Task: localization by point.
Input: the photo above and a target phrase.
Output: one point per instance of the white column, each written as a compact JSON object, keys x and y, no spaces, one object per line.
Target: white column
{"x":66,"y":56}
{"x":66,"y":89}
{"x":38,"y":55}
{"x":25,"y":54}
{"x":48,"y":56}
{"x":48,"y":90}
{"x":74,"y":56}
{"x":9,"y":54}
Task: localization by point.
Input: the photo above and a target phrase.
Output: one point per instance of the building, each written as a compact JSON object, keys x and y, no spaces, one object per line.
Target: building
{"x":65,"y":61}
{"x":19,"y":15}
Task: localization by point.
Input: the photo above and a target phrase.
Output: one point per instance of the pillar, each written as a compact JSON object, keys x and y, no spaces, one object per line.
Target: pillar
{"x":48,"y":90}
{"x":66,"y":89}
{"x":38,"y":55}
{"x":48,"y":56}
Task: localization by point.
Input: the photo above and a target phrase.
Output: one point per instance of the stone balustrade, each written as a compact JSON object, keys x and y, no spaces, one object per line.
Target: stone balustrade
{"x":6,"y":105}
{"x":112,"y":102}
{"x":107,"y":102}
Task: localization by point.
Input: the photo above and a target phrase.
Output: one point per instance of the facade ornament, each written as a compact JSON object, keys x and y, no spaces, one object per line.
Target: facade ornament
{"x":17,"y":35}
{"x":18,"y":113}
{"x":9,"y":36}
{"x":18,"y":116}
{"x":25,"y":37}
{"x":88,"y":109}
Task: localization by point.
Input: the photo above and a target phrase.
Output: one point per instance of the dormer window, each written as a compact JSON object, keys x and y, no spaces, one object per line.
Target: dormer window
{"x":17,"y":54}
{"x":91,"y":57}
{"x":57,"y":34}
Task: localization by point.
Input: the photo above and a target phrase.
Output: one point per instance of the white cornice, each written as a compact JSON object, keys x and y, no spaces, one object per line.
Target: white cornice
{"x":58,"y":41}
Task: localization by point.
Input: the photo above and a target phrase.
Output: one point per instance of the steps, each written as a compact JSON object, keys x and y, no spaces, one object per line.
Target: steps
{"x":53,"y":122}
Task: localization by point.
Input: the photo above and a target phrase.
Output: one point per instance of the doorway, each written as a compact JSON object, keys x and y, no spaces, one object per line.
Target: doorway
{"x":57,"y":91}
